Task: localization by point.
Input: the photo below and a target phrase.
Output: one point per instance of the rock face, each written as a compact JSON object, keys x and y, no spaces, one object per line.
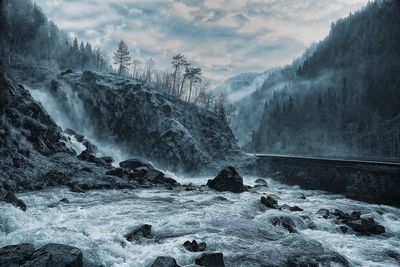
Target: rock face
{"x":227,"y":180}
{"x":16,"y":255}
{"x":158,"y":127}
{"x":56,"y":255}
{"x":52,"y":254}
{"x":210,"y":260}
{"x":165,"y":262}
{"x":28,"y":136}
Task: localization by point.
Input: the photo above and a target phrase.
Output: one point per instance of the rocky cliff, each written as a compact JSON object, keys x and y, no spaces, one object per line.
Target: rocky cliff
{"x":28,"y":136}
{"x":35,"y":153}
{"x":145,"y":123}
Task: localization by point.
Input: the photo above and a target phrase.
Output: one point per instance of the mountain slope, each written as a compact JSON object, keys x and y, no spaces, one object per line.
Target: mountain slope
{"x":240,"y":86}
{"x":343,"y":99}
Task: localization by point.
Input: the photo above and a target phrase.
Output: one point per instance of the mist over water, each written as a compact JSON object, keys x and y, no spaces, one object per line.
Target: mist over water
{"x":239,"y":226}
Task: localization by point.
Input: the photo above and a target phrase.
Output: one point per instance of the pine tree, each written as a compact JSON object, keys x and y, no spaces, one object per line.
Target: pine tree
{"x":121,"y":56}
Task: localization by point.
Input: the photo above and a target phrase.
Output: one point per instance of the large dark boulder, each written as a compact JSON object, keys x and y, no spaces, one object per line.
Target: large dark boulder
{"x":194,"y":246}
{"x":56,"y":255}
{"x":139,"y":232}
{"x":270,"y":202}
{"x":285,"y":223}
{"x":15,"y":255}
{"x":366,"y":226}
{"x":362,"y":226}
{"x":165,"y":262}
{"x":210,"y":259}
{"x":11,"y":198}
{"x":228,"y":180}
{"x":132,"y":164}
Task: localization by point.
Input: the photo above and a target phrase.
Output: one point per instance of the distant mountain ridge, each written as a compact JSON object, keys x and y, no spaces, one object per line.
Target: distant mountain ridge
{"x":240,"y":86}
{"x":342,"y":99}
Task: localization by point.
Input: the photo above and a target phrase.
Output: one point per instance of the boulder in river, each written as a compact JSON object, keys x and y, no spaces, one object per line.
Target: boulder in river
{"x":194,"y":246}
{"x":366,"y":226}
{"x":295,"y":208}
{"x":341,"y":214}
{"x":363,"y":226}
{"x":270,"y":202}
{"x":56,"y":255}
{"x":11,"y":198}
{"x":61,"y":201}
{"x":228,"y":180}
{"x":139,"y":232}
{"x":211,"y":259}
{"x":16,"y":255}
{"x":165,"y":262}
{"x":285,"y":223}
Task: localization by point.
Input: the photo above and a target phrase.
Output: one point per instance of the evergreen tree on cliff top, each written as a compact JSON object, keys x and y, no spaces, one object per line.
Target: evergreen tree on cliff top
{"x":121,"y":56}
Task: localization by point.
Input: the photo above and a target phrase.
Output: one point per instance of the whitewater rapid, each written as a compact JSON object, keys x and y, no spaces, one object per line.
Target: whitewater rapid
{"x":238,"y":225}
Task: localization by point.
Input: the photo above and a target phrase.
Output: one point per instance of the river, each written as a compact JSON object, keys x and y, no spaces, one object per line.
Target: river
{"x":235,"y":224}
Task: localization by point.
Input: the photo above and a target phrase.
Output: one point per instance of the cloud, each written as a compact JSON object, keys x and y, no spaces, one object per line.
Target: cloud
{"x":224,"y":37}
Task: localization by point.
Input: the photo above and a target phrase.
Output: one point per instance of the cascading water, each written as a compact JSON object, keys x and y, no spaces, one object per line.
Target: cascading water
{"x":73,"y":116}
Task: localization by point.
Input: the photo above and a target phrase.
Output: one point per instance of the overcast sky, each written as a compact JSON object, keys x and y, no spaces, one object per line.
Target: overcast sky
{"x":224,"y":37}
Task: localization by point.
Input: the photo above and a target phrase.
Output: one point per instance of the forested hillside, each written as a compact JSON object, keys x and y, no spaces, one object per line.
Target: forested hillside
{"x":27,"y":37}
{"x":345,"y":98}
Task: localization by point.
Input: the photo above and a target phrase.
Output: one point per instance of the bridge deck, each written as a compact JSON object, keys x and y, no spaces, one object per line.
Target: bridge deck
{"x":349,"y":160}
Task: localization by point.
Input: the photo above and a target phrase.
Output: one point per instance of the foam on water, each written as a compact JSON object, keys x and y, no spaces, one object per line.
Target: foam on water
{"x":239,"y":226}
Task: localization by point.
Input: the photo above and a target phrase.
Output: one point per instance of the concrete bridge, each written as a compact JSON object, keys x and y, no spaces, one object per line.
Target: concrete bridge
{"x":365,"y":179}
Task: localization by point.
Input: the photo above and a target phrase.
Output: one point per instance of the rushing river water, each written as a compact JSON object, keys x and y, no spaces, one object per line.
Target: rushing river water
{"x":238,"y":225}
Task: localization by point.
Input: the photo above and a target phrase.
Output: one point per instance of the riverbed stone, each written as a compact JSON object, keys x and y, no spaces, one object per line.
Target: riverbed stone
{"x":227,"y":180}
{"x":11,"y":198}
{"x":194,"y":246}
{"x":366,"y":226}
{"x":270,"y":202}
{"x":143,"y":230}
{"x":15,"y":255}
{"x":56,"y":255}
{"x":211,"y":259}
{"x":165,"y":262}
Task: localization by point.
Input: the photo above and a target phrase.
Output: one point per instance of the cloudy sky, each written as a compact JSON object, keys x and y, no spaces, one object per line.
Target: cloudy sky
{"x":224,"y":37}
